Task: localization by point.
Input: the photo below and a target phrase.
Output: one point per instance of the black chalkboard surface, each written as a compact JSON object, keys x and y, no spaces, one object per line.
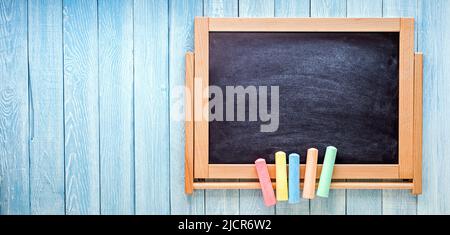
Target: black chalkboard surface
{"x":337,"y":89}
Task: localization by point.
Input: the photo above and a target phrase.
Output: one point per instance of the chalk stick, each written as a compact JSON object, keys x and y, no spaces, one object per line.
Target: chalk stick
{"x":266,"y":183}
{"x":327,"y":172}
{"x":281,"y":176}
{"x":294,"y":178}
{"x":309,"y":185}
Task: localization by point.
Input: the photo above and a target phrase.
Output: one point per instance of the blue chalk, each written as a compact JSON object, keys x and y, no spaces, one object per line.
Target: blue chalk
{"x":294,"y":178}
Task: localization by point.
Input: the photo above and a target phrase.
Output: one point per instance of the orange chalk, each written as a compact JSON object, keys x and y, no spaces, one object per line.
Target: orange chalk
{"x":309,"y":186}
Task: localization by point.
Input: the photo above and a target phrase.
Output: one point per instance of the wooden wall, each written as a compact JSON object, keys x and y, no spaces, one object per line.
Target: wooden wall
{"x":87,"y":117}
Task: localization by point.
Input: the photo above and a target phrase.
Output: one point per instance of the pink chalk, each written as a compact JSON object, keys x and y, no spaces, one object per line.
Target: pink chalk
{"x":266,"y":183}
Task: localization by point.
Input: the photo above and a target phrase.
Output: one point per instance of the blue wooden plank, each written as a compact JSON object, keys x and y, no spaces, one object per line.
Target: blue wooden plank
{"x":328,"y":8}
{"x":81,"y":111}
{"x":251,"y":201}
{"x":181,"y":40}
{"x":300,"y":208}
{"x":364,"y":8}
{"x":116,"y":106}
{"x":221,"y":201}
{"x":256,"y":8}
{"x":292,"y":8}
{"x":397,"y":8}
{"x":151,"y":107}
{"x":400,"y":201}
{"x":14,"y":133}
{"x":335,"y":203}
{"x":46,"y":85}
{"x":221,"y":8}
{"x":433,"y":41}
{"x":364,"y":201}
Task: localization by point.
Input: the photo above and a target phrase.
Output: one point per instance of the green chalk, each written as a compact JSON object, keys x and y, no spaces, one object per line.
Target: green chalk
{"x":327,"y":172}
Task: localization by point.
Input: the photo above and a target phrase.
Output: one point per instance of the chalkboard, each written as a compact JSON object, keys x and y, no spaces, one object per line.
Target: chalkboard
{"x":337,"y":89}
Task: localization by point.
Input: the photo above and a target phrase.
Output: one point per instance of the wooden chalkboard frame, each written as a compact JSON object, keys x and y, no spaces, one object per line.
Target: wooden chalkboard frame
{"x":407,"y":174}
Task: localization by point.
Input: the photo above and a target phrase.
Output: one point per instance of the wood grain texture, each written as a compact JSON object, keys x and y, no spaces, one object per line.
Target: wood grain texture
{"x":397,"y":8}
{"x":341,"y":171}
{"x":151,"y":87}
{"x":364,"y":8}
{"x":201,"y":71}
{"x":364,"y":201}
{"x":220,"y":8}
{"x":251,"y":201}
{"x":189,"y":125}
{"x":216,"y":185}
{"x":46,"y":86}
{"x":221,"y":201}
{"x":264,"y":24}
{"x":256,"y":8}
{"x":328,"y":8}
{"x":181,"y":36}
{"x":406,"y":101}
{"x":395,"y":201}
{"x":293,"y":8}
{"x":433,"y":42}
{"x":116,"y":106}
{"x":81,"y":109}
{"x":14,"y":106}
{"x":300,"y":208}
{"x":336,"y":203}
{"x":399,"y":202}
{"x":26,"y":115}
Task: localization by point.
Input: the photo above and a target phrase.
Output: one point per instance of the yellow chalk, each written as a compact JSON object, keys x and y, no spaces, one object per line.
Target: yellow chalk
{"x":281,"y":176}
